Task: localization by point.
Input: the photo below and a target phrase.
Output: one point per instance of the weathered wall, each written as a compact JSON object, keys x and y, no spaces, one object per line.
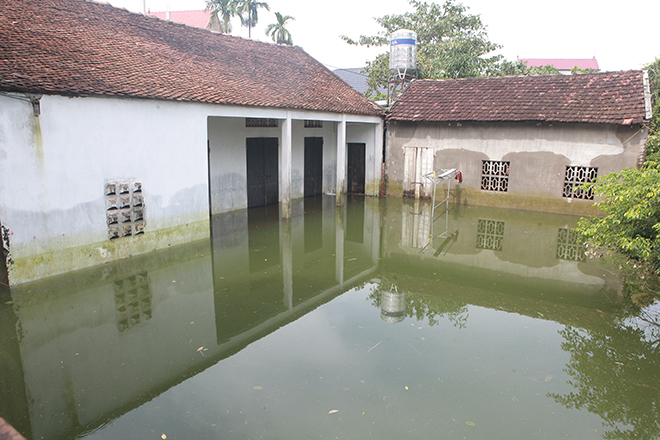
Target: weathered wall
{"x":53,"y":170}
{"x":538,"y":155}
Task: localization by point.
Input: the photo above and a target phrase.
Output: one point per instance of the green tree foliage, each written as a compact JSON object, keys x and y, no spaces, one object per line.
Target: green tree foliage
{"x":631,"y":202}
{"x":451,"y":43}
{"x":278,"y":31}
{"x":222,"y":11}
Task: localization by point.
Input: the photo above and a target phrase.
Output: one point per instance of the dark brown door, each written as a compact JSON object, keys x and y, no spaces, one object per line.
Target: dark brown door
{"x":313,"y":166}
{"x":262,"y":171}
{"x":356,"y":167}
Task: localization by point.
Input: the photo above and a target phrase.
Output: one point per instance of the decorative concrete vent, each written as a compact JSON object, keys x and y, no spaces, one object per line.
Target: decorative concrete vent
{"x":569,"y":245}
{"x":133,"y":301}
{"x":575,"y":177}
{"x":260,"y":122}
{"x":490,"y":235}
{"x":495,"y":175}
{"x":124,"y":204}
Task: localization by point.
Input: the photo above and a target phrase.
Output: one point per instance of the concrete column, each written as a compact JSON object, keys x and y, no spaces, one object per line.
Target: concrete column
{"x":378,"y":158}
{"x":341,"y":160}
{"x":339,"y":244}
{"x":287,"y":263}
{"x":285,"y":187}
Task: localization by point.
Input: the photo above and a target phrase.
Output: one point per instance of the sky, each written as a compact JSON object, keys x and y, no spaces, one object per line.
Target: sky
{"x":620,"y":35}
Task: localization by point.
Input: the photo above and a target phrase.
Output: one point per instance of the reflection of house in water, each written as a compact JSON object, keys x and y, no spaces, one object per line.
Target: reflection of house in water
{"x":519,"y":253}
{"x":323,"y":252}
{"x":84,"y":349}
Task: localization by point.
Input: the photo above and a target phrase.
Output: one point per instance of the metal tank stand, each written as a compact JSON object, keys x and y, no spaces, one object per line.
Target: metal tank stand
{"x":437,"y":177}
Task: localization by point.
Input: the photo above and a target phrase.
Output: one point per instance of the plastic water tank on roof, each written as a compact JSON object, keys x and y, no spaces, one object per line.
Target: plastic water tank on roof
{"x":403,"y":50}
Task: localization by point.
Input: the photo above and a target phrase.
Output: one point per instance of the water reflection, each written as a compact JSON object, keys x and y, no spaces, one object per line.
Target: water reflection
{"x":287,"y":304}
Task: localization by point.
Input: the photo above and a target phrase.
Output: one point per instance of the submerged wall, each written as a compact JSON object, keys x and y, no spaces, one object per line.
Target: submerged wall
{"x":538,"y":156}
{"x":92,"y":180}
{"x":57,"y":171}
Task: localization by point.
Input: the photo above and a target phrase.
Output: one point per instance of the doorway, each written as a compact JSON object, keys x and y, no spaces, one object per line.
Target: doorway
{"x":356,"y":167}
{"x":313,"y":166}
{"x":262,"y":171}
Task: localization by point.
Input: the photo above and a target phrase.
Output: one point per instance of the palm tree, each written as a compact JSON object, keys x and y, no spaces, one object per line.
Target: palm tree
{"x":278,"y":32}
{"x":222,"y":12}
{"x":247,"y":11}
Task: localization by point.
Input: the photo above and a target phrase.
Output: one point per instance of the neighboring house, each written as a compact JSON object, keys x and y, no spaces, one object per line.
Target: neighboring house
{"x":198,"y":19}
{"x":121,"y":133}
{"x":564,"y":65}
{"x":526,"y":142}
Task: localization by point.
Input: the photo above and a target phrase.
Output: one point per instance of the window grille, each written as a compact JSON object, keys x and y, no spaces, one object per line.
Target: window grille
{"x":313,"y":124}
{"x":569,"y":245}
{"x":495,"y":175}
{"x":575,"y":177}
{"x":490,"y":235}
{"x":260,"y":122}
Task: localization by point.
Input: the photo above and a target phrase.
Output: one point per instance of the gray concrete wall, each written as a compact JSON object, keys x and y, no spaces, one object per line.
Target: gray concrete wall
{"x":538,"y":155}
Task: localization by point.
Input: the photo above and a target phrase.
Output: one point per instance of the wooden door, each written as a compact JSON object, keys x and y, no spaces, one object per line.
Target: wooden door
{"x":262,"y":171}
{"x":356,"y":167}
{"x":313,"y":166}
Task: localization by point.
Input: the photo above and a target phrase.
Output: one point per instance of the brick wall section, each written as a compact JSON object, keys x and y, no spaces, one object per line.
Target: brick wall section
{"x":78,"y":47}
{"x":601,"y":98}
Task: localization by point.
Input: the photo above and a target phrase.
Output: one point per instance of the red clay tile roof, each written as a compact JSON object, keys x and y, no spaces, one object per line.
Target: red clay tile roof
{"x":198,"y":19}
{"x":78,"y":47}
{"x":562,"y":63}
{"x":602,"y":98}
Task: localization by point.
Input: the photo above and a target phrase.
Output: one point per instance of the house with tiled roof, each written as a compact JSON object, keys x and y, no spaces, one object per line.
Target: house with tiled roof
{"x":122,"y":133}
{"x":564,"y":65}
{"x":527,"y":142}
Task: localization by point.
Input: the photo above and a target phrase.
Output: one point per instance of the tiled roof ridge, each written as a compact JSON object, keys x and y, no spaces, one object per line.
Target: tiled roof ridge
{"x":601,"y":97}
{"x":86,"y":48}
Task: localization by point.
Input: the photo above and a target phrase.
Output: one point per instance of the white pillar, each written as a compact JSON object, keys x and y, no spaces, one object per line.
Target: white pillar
{"x":285,"y":186}
{"x":340,"y":235}
{"x":341,"y":160}
{"x":378,"y":158}
{"x":287,"y":263}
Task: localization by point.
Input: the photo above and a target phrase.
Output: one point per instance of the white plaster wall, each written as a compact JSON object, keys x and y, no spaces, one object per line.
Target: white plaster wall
{"x":372,"y":138}
{"x":53,"y":167}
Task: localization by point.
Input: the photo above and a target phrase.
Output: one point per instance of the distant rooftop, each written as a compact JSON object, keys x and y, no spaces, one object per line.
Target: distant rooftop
{"x":198,"y":19}
{"x":562,"y":63}
{"x":355,"y":78}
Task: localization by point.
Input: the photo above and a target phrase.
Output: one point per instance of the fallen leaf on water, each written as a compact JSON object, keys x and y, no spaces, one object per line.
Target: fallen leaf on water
{"x":333,"y":411}
{"x":9,"y":302}
{"x":257,"y":387}
{"x":548,"y":378}
{"x":163,"y":436}
{"x":469,"y":423}
{"x":406,"y":387}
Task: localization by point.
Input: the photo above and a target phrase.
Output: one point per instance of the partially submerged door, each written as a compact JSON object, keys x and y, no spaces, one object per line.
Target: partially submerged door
{"x":356,"y":167}
{"x":262,"y":171}
{"x":313,"y":166}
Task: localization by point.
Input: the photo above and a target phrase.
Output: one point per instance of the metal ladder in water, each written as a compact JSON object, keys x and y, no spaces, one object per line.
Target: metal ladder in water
{"x":437,"y":177}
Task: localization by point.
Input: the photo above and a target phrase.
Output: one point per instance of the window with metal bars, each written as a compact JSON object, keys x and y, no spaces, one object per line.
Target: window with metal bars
{"x":313,"y":124}
{"x":575,"y":177}
{"x":495,"y":175}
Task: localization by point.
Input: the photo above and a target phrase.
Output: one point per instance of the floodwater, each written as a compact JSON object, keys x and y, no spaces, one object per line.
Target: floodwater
{"x":340,"y":323}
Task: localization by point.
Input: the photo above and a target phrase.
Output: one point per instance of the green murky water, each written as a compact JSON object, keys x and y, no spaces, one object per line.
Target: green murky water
{"x":341,"y":323}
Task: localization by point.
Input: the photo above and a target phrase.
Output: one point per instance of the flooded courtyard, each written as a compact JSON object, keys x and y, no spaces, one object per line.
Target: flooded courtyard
{"x":343,"y":322}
